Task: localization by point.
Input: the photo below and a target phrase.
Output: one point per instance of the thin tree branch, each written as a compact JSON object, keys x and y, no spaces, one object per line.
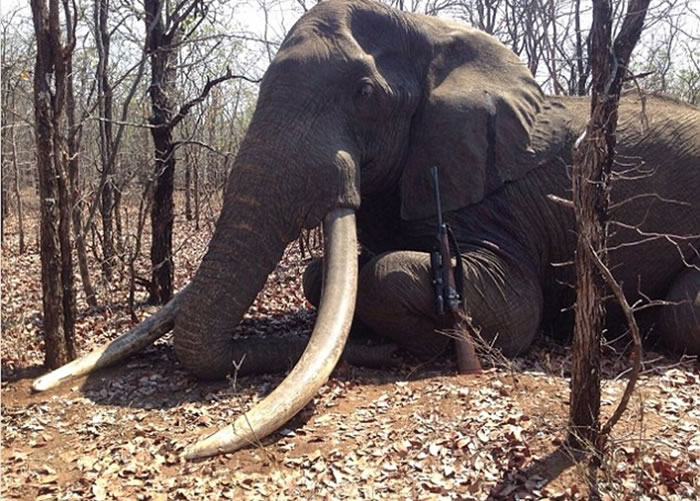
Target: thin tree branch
{"x":637,"y":346}
{"x":194,"y":142}
{"x":185,"y":108}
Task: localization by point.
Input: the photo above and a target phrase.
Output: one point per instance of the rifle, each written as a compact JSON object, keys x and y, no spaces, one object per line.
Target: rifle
{"x":447,"y":284}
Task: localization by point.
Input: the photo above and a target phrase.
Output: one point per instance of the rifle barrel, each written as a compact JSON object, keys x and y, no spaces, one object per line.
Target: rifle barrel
{"x":436,"y":190}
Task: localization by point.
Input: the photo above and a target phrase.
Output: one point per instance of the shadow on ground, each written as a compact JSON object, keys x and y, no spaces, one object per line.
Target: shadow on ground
{"x":155,"y":379}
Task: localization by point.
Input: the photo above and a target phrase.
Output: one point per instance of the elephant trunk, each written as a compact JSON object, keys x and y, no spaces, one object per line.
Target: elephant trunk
{"x":268,"y":201}
{"x":248,"y":242}
{"x":231,"y":274}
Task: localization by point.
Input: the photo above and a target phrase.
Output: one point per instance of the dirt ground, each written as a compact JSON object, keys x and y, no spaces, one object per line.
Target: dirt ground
{"x":411,"y":432}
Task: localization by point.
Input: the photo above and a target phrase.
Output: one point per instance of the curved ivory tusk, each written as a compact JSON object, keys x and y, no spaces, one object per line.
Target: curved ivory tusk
{"x":127,"y":344}
{"x":320,"y":356}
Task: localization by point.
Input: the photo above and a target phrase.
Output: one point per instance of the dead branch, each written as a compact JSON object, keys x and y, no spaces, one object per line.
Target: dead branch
{"x":637,"y":347}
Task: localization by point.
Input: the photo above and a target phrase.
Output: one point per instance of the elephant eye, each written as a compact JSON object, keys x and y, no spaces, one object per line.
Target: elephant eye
{"x":365,"y":90}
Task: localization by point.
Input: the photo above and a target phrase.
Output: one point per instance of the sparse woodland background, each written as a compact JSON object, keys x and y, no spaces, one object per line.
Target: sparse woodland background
{"x":158,"y":96}
{"x":205,"y":93}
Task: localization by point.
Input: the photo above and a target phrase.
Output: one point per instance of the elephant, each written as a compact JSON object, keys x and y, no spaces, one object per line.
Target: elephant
{"x":359,"y":103}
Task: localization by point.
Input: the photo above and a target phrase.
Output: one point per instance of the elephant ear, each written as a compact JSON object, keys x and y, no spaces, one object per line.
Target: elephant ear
{"x":475,"y":122}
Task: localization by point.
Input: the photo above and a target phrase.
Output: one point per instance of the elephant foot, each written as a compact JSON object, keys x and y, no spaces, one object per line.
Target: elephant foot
{"x":679,"y":322}
{"x":272,"y":354}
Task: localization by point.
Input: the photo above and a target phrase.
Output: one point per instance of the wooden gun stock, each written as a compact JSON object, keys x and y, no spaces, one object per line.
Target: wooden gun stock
{"x":467,"y":361}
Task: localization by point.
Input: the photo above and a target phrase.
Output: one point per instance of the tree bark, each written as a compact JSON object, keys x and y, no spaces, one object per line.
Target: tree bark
{"x":73,"y":143}
{"x":162,"y":47}
{"x":5,"y":212}
{"x":8,"y":136}
{"x":590,"y":205}
{"x":6,"y":92}
{"x":102,"y":38}
{"x":119,"y":235}
{"x":56,"y":262}
{"x":163,"y":42}
{"x":188,"y":192}
{"x":162,"y":219}
{"x":18,"y":195}
{"x":196,"y":197}
{"x":582,"y":66}
{"x":593,"y":159}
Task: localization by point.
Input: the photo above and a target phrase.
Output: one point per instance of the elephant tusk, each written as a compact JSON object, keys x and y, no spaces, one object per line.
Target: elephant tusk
{"x":320,"y":356}
{"x":127,"y":344}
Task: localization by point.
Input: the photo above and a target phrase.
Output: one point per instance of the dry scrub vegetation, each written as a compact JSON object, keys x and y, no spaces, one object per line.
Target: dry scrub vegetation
{"x":410,"y":432}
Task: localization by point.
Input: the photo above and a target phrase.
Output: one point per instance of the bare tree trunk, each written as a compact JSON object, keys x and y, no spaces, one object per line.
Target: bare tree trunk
{"x":591,"y":191}
{"x":6,"y":92}
{"x":8,"y":136}
{"x":590,"y":208}
{"x":593,"y":159}
{"x":196,"y":198}
{"x":554,"y":75}
{"x":210,"y":164}
{"x":102,"y":37}
{"x":162,"y":219}
{"x":18,"y":196}
{"x":582,"y":66}
{"x":163,"y":43}
{"x":119,"y":237}
{"x":106,"y":209}
{"x":140,"y":224}
{"x":162,"y":47}
{"x":56,"y":262}
{"x":78,"y":235}
{"x":73,"y":143}
{"x":5,"y":212}
{"x":188,"y":192}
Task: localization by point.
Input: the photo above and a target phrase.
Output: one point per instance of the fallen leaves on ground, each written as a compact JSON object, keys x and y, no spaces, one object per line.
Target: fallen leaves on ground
{"x":411,"y":432}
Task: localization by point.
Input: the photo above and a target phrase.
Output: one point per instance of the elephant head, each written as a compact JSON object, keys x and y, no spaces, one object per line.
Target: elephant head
{"x":360,"y":99}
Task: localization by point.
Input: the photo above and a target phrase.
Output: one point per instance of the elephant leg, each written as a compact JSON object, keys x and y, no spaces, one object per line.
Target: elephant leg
{"x":679,"y":322}
{"x":312,"y":279}
{"x":420,"y":326}
{"x":395,"y":298}
{"x":312,"y":282}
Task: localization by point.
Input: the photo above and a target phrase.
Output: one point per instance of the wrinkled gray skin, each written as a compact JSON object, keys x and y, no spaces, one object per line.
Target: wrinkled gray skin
{"x":360,"y":101}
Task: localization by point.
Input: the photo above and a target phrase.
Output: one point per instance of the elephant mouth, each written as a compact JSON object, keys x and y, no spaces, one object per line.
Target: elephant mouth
{"x":313,"y":369}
